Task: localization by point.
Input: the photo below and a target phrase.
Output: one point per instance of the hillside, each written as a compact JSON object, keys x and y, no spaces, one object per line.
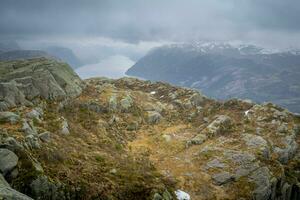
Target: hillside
{"x":130,"y":139}
{"x":12,"y":51}
{"x":64,"y":54}
{"x":23,"y":54}
{"x":225,"y":71}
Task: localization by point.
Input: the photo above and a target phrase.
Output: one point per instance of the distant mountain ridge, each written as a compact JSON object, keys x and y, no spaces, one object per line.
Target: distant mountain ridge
{"x":23,"y":54}
{"x":64,"y":54}
{"x":225,"y":71}
{"x":10,"y":50}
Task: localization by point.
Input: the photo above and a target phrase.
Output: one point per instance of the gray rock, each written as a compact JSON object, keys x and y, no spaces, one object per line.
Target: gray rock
{"x":42,"y":188}
{"x":35,"y":114}
{"x":197,"y":140}
{"x":29,"y":79}
{"x":283,"y":128}
{"x":126,"y":103}
{"x":12,"y":144}
{"x":173,"y":95}
{"x":222,"y":178}
{"x":3,"y":182}
{"x":8,"y":161}
{"x":262,"y":180}
{"x":197,"y":99}
{"x":257,"y":143}
{"x":288,"y":152}
{"x":45,"y":136}
{"x":215,"y":163}
{"x":28,"y":128}
{"x":239,"y":157}
{"x":7,"y":193}
{"x":221,"y":124}
{"x":245,"y":169}
{"x":154,"y":117}
{"x":32,"y":142}
{"x":64,"y":127}
{"x":11,"y":96}
{"x":9,"y":117}
{"x":112,"y":103}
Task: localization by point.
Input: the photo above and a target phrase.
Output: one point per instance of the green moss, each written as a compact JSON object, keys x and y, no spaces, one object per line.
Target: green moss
{"x":99,"y":158}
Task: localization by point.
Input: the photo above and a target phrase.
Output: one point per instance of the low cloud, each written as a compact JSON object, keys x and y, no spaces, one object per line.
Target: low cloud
{"x":133,"y":21}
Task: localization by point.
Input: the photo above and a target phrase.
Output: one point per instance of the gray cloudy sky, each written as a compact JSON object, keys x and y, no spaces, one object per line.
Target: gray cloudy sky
{"x":153,"y":20}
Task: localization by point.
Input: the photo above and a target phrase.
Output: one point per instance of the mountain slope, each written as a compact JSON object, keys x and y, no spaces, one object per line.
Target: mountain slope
{"x":64,"y":54}
{"x":224,"y":71}
{"x":23,"y":54}
{"x":130,"y":139}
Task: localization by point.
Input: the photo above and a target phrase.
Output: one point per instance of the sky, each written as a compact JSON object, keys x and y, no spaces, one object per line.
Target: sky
{"x":97,"y":30}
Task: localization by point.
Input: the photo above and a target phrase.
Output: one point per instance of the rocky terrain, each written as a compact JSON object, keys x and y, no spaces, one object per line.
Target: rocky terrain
{"x":225,"y":71}
{"x":66,"y":138}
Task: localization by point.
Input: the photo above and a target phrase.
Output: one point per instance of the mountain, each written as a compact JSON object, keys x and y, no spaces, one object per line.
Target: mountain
{"x":23,"y":54}
{"x":64,"y":54}
{"x":66,"y":138}
{"x":10,"y":50}
{"x":224,"y":71}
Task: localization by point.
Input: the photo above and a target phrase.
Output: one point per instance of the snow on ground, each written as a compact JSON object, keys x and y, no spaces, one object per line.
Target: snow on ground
{"x":181,"y":195}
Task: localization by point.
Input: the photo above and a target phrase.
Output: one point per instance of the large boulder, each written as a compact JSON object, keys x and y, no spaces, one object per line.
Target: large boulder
{"x":220,"y":125}
{"x":25,"y":80}
{"x":8,"y":161}
{"x":9,"y":117}
{"x":7,"y":193}
{"x":154,"y":117}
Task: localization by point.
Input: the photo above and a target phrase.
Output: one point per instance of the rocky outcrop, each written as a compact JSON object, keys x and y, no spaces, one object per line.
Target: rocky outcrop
{"x":220,"y":125}
{"x":7,"y":193}
{"x":23,"y":81}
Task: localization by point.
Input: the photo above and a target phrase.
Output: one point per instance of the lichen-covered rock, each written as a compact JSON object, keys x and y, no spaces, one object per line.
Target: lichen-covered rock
{"x":222,"y":178}
{"x":113,"y":103}
{"x":220,"y":125}
{"x":25,"y":80}
{"x":12,"y":144}
{"x":257,"y":143}
{"x":36,"y":114}
{"x":28,"y":128}
{"x":154,"y":117}
{"x":32,"y":142}
{"x":288,"y":151}
{"x":197,"y":140}
{"x":262,"y":180}
{"x":9,"y":117}
{"x":64,"y":127}
{"x":197,"y":99}
{"x":126,"y":103}
{"x":7,"y":193}
{"x":45,"y":136}
{"x":215,"y":163}
{"x":10,"y":95}
{"x":8,"y":161}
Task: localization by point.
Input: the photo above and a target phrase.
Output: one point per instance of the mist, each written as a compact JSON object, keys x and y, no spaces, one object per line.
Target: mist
{"x":97,"y":30}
